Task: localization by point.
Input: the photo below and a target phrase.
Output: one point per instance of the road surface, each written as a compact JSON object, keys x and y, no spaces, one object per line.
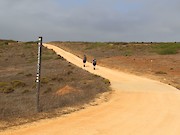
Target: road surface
{"x":138,"y":106}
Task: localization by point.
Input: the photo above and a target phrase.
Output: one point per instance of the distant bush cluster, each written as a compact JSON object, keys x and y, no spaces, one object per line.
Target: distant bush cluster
{"x":166,"y":48}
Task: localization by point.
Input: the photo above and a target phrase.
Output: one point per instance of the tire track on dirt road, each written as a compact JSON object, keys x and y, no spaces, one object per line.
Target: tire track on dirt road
{"x":138,"y":106}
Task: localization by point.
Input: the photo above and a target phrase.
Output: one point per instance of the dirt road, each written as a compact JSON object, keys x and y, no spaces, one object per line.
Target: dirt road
{"x":138,"y":106}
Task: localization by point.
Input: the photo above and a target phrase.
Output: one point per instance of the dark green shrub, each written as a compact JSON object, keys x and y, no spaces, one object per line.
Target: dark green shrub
{"x":18,"y":83}
{"x":25,"y":91}
{"x":69,"y":72}
{"x":106,"y":81}
{"x":160,"y":72}
{"x":8,"y":90}
{"x":47,"y":90}
{"x":28,"y":75}
{"x":3,"y":84}
{"x":44,"y":80}
{"x":166,"y":48}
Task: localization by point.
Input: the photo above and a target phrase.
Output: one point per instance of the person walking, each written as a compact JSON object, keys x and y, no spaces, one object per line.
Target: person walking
{"x":94,"y":63}
{"x":84,"y":60}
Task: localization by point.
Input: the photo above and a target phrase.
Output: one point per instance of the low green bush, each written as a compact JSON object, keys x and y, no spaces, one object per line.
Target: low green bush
{"x":160,"y":72}
{"x":29,"y":75}
{"x":166,"y":48}
{"x":106,"y":81}
{"x":18,"y":83}
{"x":25,"y":91}
{"x":3,"y":84}
{"x":47,"y":57}
{"x":95,"y":45}
{"x":8,"y":90}
{"x":6,"y":87}
{"x":44,"y":80}
{"x":47,"y":90}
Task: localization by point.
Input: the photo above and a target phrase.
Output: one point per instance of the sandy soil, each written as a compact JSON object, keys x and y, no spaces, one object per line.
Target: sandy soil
{"x":138,"y":106}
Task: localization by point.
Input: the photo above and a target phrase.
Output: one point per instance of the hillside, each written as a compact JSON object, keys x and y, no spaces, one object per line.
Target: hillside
{"x":159,"y":61}
{"x":62,"y":84}
{"x":137,"y":105}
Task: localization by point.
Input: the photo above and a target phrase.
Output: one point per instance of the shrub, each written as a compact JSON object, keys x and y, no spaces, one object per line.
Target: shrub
{"x":44,"y":80}
{"x":34,"y":86}
{"x":5,"y":87}
{"x":160,"y":72}
{"x":60,"y":79}
{"x":166,"y":48}
{"x":47,"y":57}
{"x":32,"y":60}
{"x":18,"y":83}
{"x":28,"y":75}
{"x":47,"y":90}
{"x":96,"y":75}
{"x":60,"y":57}
{"x":127,"y":53}
{"x":20,"y":73}
{"x":2,"y":90}
{"x":95,"y":45}
{"x":3,"y":84}
{"x":69,"y":72}
{"x":8,"y":90}
{"x":54,"y":78}
{"x":57,"y":58}
{"x":168,"y":51}
{"x":25,"y":91}
{"x":106,"y":81}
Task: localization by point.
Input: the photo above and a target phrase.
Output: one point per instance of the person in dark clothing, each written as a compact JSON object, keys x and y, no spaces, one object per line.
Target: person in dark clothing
{"x":84,"y":60}
{"x":94,"y":63}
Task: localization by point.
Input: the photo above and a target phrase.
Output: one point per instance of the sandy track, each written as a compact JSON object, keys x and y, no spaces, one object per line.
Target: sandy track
{"x":138,"y":106}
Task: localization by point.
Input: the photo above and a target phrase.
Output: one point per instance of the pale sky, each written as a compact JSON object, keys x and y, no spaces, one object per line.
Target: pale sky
{"x":90,"y":20}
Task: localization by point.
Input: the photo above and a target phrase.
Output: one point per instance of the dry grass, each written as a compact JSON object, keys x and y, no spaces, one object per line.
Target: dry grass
{"x":141,"y":58}
{"x":18,"y":87}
